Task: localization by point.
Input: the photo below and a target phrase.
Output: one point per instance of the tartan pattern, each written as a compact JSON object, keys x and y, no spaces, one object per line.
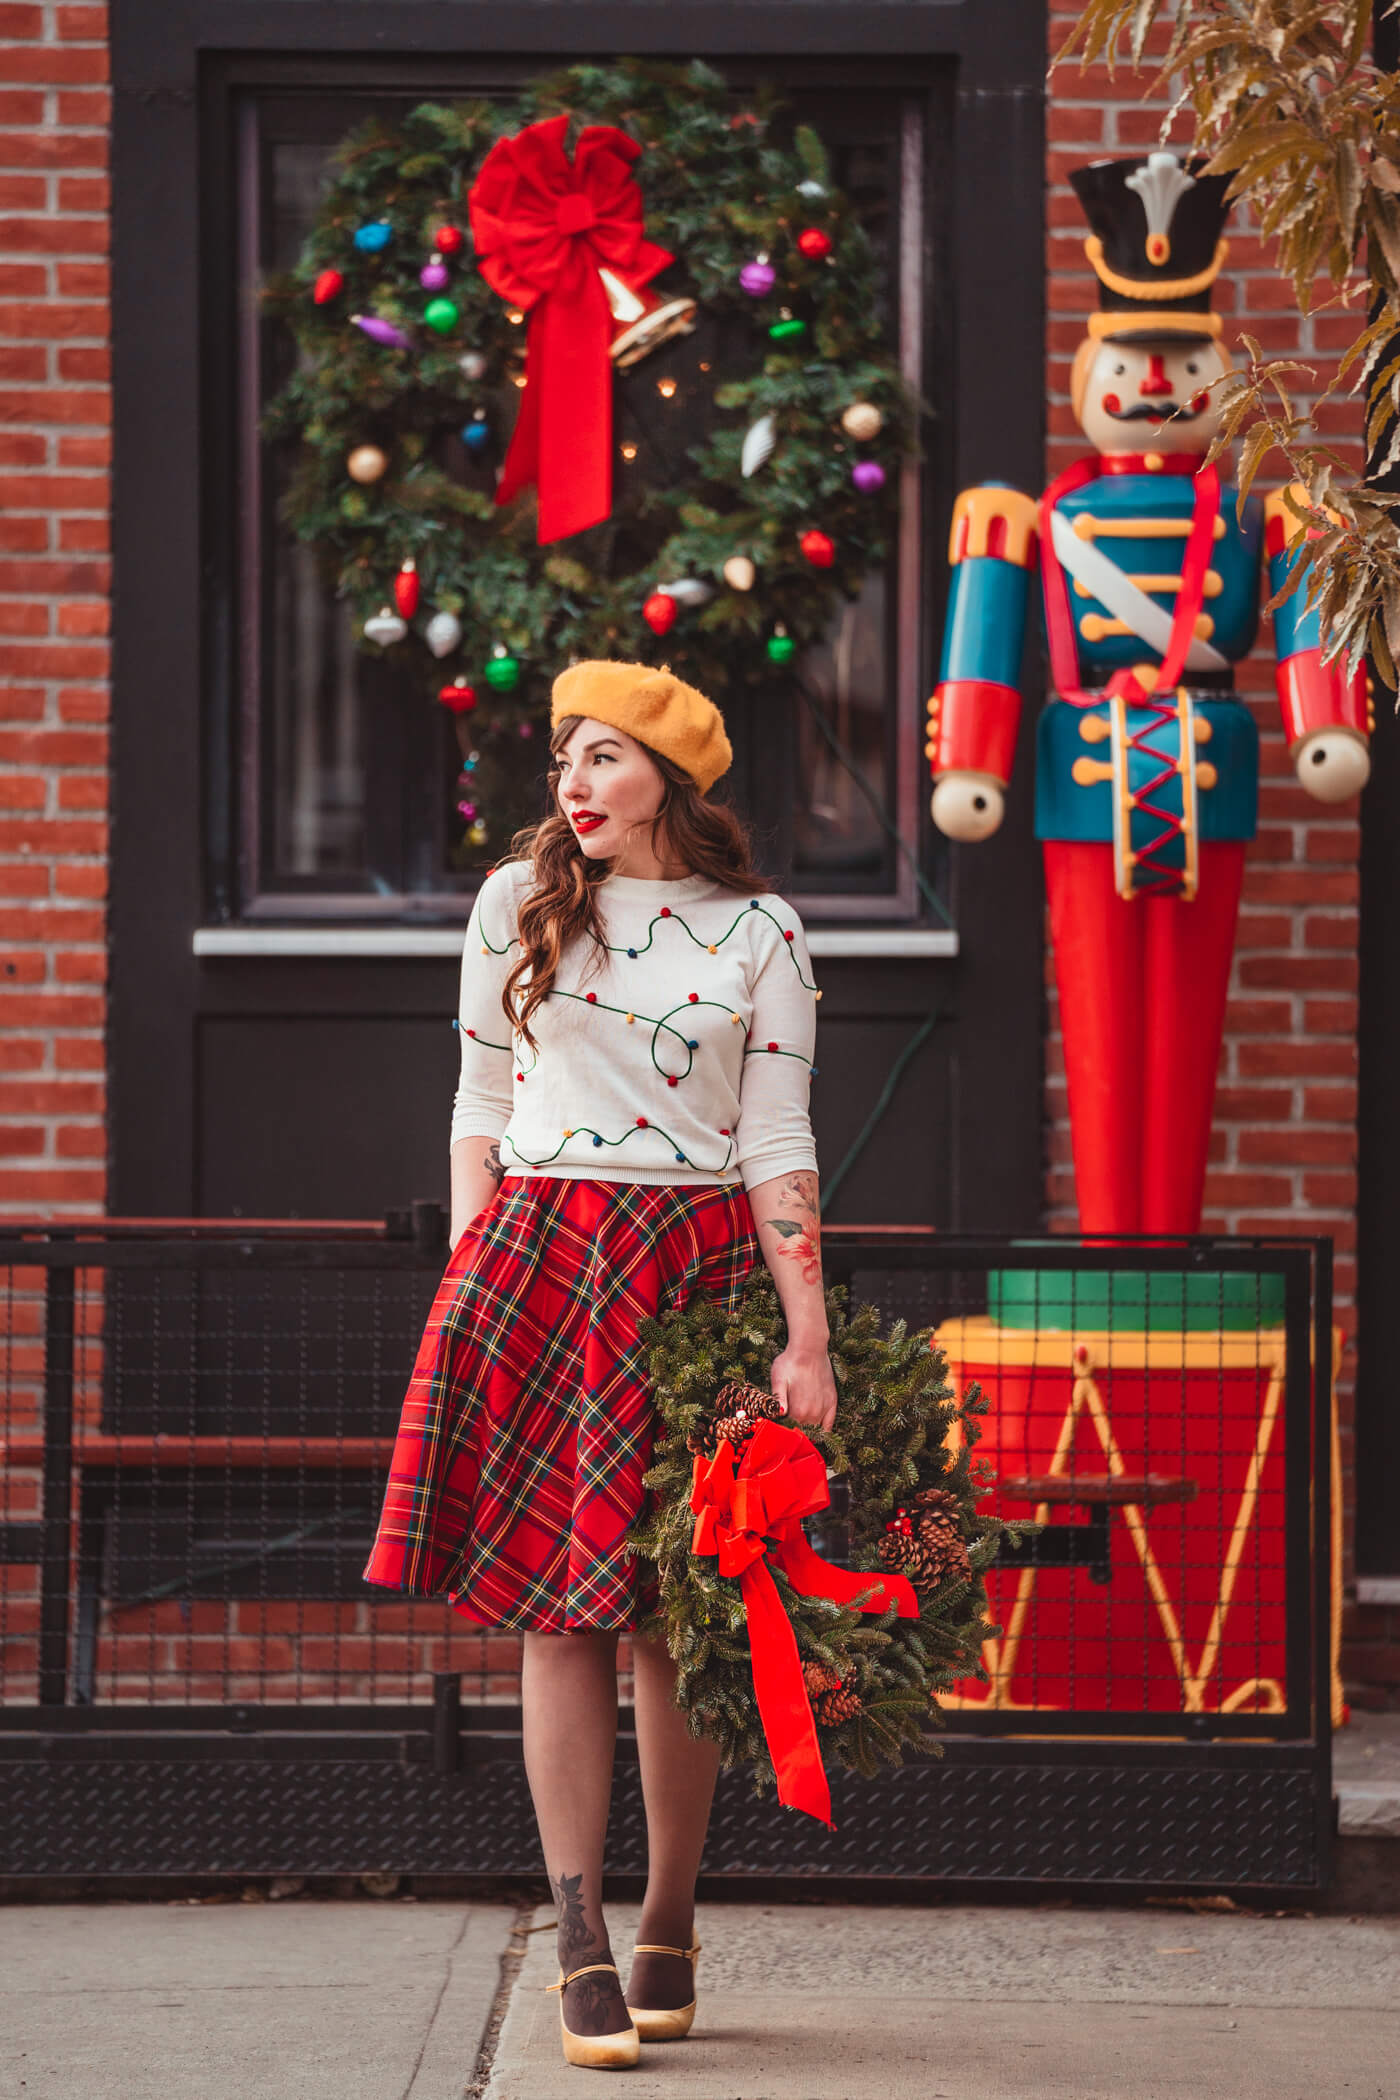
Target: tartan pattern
{"x":526,"y":1430}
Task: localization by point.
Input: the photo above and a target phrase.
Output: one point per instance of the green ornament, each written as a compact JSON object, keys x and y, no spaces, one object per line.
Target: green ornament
{"x":442,"y":314}
{"x":503,"y":671}
{"x":781,"y":647}
{"x":788,"y":329}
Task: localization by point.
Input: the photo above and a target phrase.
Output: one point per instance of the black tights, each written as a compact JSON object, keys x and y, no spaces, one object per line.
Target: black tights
{"x":569,"y":1694}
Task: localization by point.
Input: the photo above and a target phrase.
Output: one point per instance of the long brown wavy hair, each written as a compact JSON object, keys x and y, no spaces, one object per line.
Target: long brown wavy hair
{"x":561,"y":901}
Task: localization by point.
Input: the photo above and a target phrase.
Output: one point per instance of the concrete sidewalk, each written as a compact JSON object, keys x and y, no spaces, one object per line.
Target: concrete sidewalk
{"x":301,"y":2000}
{"x":974,"y":2003}
{"x":320,"y":2000}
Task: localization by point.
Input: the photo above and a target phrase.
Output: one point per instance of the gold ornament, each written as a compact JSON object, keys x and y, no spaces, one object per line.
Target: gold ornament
{"x":366,"y":463}
{"x":739,"y":572}
{"x":862,"y":420}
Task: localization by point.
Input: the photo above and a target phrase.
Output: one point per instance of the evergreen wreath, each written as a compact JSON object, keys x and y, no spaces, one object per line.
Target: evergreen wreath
{"x":910,"y":1506}
{"x":723,"y":556}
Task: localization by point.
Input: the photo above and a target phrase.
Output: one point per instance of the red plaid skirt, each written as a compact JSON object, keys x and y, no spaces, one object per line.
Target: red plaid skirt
{"x":527,"y":1427}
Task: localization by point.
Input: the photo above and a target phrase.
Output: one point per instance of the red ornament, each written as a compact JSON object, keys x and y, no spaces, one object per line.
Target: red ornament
{"x":329,"y":285}
{"x":641,"y":1122}
{"x":814,"y":243}
{"x":819,"y":548}
{"x":406,"y":589}
{"x":459,"y":696}
{"x":659,"y":612}
{"x":901,"y":1522}
{"x":448,"y":240}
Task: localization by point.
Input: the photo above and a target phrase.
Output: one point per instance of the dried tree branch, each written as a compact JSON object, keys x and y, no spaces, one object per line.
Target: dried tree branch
{"x":1287,"y":100}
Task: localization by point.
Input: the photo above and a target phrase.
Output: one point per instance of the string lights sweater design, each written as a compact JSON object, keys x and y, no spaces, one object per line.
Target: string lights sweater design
{"x":683,"y":1056}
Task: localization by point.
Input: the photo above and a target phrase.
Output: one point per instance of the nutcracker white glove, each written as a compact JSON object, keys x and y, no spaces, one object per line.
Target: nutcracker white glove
{"x":1332,"y":764}
{"x":968,"y":806}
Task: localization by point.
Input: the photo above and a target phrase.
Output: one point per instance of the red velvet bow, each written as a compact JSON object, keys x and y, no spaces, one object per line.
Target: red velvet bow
{"x":749,"y":1516}
{"x":543,"y":229}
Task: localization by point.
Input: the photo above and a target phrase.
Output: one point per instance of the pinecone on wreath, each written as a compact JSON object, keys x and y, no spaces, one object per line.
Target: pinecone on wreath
{"x":737,"y":1408}
{"x":928,"y":1546}
{"x":938,"y":1530}
{"x":904,"y":1554}
{"x":833,"y":1701}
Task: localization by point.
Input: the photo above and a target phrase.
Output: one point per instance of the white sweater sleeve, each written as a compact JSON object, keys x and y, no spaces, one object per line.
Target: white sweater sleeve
{"x":774,"y":1132}
{"x":482,"y":1106}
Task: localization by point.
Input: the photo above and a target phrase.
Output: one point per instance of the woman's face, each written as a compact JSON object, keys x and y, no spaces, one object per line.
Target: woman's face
{"x":609,"y":787}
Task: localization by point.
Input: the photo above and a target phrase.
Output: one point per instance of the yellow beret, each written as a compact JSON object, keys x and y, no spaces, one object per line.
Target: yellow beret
{"x":651,"y":704}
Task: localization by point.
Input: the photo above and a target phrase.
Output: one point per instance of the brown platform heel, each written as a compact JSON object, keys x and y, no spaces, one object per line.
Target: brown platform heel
{"x":595,"y":2052}
{"x":668,"y":2025}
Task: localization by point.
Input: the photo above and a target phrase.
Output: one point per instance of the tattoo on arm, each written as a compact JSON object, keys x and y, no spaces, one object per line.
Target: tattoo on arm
{"x":797,"y":1222}
{"x":493,"y":1165}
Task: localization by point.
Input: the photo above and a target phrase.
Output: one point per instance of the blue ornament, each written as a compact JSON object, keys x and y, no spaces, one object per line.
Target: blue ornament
{"x":681,"y":1157}
{"x":476,"y":433}
{"x":695,"y":1046}
{"x":597,"y":1141}
{"x":633,"y":953}
{"x":374,"y":236}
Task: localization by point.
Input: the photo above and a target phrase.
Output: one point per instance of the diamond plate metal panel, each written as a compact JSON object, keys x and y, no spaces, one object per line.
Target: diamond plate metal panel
{"x":1099,"y":1823}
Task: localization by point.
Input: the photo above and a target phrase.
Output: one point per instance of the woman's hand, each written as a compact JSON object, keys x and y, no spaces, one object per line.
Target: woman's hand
{"x":804,"y":1385}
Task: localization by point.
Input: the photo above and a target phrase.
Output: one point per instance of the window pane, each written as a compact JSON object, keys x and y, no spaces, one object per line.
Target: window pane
{"x":838,"y":835}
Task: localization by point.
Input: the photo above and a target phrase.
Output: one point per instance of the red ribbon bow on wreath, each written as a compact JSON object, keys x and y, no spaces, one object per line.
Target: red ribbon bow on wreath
{"x":544,"y":227}
{"x":751,"y":1517}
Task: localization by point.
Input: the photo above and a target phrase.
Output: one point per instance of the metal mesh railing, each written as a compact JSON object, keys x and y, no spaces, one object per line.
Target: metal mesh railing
{"x":195,"y":1423}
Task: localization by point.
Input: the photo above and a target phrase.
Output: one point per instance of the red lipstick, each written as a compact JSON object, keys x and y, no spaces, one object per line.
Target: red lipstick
{"x":588,"y":820}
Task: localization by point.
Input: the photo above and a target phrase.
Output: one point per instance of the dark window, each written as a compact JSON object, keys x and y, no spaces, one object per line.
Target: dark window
{"x":346,"y":804}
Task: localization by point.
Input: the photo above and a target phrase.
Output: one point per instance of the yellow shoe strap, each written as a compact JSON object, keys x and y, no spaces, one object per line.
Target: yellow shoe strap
{"x":594,"y":1968}
{"x":685,"y":1953}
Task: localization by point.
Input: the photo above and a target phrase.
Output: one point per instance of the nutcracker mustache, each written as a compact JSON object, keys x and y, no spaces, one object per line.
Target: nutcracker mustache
{"x":1146,"y":412}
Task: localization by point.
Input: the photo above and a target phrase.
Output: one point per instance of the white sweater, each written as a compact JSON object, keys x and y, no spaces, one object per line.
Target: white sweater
{"x":684,"y":1055}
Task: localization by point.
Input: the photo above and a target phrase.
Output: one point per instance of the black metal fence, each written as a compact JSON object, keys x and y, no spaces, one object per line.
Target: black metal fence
{"x":195,"y":1421}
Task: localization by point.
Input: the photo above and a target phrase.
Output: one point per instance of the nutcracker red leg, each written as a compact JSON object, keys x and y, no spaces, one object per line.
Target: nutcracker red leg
{"x":1098,"y":941}
{"x":1188,"y":952}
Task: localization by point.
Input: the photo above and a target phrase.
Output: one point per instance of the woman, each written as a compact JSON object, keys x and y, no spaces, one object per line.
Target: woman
{"x":637,"y":1025}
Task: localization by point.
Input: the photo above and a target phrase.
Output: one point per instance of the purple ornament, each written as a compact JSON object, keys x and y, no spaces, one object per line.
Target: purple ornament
{"x":526,"y":729}
{"x":868,"y":475}
{"x":435,"y":275}
{"x":466,"y":809}
{"x":758,"y":277}
{"x":381,"y":331}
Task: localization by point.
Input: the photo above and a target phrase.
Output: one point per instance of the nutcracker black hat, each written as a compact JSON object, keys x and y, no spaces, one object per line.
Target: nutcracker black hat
{"x":1155,"y":244}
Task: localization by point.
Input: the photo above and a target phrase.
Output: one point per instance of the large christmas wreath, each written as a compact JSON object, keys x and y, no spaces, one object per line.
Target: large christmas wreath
{"x":704,"y":355}
{"x":801,"y":1626}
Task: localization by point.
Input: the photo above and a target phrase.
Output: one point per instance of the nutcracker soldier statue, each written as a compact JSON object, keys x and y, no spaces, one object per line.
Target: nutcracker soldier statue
{"x":1147,"y":761}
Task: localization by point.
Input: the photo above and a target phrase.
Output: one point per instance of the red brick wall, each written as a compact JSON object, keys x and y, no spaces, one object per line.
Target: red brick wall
{"x":1283,"y":1154}
{"x":55,"y":449}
